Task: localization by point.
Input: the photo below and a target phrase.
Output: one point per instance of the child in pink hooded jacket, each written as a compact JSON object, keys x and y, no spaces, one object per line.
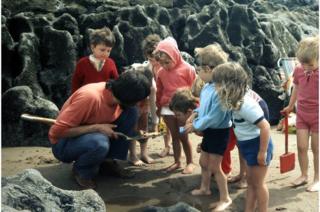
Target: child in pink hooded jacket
{"x":174,"y":73}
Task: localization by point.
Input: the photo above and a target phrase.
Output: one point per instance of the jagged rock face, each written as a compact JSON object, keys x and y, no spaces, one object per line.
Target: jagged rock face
{"x":41,"y":41}
{"x":15,"y":132}
{"x":31,"y":192}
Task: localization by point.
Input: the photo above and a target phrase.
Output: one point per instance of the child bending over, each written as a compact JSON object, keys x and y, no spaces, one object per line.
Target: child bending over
{"x":251,"y":128}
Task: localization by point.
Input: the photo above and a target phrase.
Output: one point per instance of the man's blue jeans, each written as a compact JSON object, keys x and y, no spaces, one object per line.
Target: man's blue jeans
{"x":90,"y":150}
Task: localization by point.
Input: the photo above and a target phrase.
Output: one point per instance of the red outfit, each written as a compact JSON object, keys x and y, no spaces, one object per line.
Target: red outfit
{"x":226,"y":159}
{"x":168,"y":81}
{"x":307,"y":98}
{"x":91,"y":104}
{"x":86,"y":73}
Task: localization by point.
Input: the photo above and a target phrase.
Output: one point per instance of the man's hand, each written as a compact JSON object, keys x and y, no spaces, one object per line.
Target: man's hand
{"x":262,"y":156}
{"x":107,"y":129}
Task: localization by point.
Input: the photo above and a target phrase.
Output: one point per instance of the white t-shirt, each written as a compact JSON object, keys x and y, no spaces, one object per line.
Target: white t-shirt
{"x":246,"y":118}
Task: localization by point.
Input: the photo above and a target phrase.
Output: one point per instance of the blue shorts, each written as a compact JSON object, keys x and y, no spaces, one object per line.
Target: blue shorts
{"x":249,"y":150}
{"x":215,"y":141}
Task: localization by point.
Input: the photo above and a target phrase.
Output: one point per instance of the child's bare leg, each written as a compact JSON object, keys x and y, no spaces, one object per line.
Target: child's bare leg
{"x":242,"y":170}
{"x":144,"y":153}
{"x":251,"y":196}
{"x":303,"y":144}
{"x":187,"y":148}
{"x":172,"y":125}
{"x":167,"y":144}
{"x":315,"y":186}
{"x":205,"y":176}
{"x":243,"y":173}
{"x":133,"y":158}
{"x":256,"y":181}
{"x":215,"y":166}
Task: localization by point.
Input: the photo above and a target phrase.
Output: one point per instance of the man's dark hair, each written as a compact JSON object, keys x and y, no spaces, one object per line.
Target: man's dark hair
{"x":130,"y":88}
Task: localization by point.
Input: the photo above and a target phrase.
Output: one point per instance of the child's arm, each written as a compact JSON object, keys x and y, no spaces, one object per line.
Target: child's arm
{"x":114,"y":70}
{"x":293,"y":100}
{"x":211,"y":115}
{"x":264,"y":140}
{"x":188,"y":125}
{"x":153,"y":107}
{"x":159,"y":92}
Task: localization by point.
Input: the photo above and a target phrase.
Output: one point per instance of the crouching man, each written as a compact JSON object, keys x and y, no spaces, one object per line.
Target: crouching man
{"x":84,"y":131}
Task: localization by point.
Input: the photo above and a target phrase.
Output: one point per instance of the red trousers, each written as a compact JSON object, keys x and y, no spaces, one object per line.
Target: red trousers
{"x":226,"y":160}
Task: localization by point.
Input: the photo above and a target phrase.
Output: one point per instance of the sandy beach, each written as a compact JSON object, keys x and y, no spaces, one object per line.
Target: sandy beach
{"x":152,"y":186}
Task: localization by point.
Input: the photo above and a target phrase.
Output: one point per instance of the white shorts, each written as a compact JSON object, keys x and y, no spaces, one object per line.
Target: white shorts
{"x":166,"y":111}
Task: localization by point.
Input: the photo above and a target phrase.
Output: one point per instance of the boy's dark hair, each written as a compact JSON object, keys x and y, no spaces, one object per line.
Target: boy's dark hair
{"x":183,"y":100}
{"x":149,"y":44}
{"x":130,"y":88}
{"x":145,"y":70}
{"x":102,"y":36}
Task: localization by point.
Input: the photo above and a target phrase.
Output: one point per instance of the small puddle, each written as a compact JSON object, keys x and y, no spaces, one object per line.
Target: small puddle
{"x":135,"y":204}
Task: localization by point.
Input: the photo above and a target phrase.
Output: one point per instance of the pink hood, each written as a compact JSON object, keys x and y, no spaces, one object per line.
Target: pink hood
{"x":181,"y":75}
{"x":170,"y":46}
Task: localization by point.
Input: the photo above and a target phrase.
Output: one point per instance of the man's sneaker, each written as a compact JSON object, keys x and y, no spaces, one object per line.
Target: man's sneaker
{"x":84,"y":183}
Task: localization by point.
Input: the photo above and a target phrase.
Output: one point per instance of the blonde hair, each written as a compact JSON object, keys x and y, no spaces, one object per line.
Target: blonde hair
{"x":308,"y":49}
{"x":211,"y":55}
{"x":183,"y":100}
{"x":231,"y":82}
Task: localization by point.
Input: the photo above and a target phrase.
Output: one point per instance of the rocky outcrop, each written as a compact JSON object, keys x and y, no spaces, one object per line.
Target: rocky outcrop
{"x":16,"y":132}
{"x":29,"y":191}
{"x":41,"y":41}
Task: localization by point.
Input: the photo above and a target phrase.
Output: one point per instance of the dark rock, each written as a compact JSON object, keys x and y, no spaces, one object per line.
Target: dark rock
{"x":162,"y":3}
{"x":31,"y":5}
{"x":58,"y":54}
{"x":30,"y":191}
{"x":16,"y":132}
{"x":97,"y":20}
{"x":74,"y":10}
{"x":28,"y":50}
{"x":133,"y":26}
{"x":19,"y":24}
{"x":42,"y":40}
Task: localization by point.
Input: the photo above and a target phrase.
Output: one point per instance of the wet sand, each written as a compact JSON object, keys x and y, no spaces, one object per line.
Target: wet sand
{"x":152,"y":186}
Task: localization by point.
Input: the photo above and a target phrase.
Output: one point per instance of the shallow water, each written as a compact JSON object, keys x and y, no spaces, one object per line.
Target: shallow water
{"x":135,"y":203}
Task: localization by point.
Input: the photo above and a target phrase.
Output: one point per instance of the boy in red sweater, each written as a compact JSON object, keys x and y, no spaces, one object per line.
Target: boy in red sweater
{"x":97,"y":67}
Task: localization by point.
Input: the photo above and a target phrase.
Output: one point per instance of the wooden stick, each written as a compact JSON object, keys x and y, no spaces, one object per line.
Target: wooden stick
{"x":50,"y":121}
{"x":39,"y":119}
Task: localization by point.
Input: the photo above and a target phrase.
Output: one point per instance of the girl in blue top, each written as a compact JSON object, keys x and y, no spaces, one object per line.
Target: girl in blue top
{"x":251,"y":128}
{"x":214,"y":123}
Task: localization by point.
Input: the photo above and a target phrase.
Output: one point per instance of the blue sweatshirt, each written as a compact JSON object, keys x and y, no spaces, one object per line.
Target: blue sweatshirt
{"x":210,"y":113}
